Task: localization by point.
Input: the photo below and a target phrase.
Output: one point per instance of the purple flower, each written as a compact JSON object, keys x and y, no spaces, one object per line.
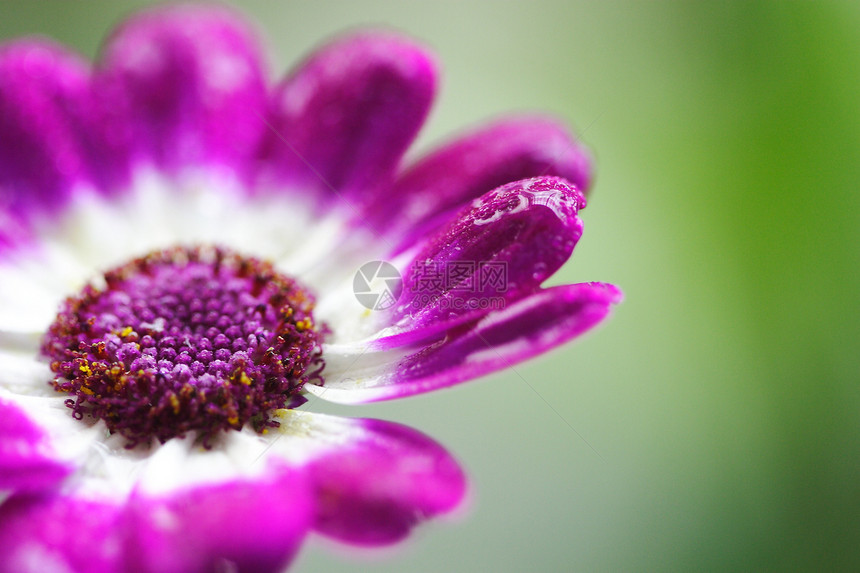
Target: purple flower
{"x":179,"y":244}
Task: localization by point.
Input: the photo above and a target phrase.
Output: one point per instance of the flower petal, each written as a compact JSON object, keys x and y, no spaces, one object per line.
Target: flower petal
{"x":342,"y":121}
{"x":500,"y":339}
{"x":27,"y":463}
{"x":499,"y":249}
{"x":42,"y":88}
{"x":246,"y":526}
{"x":374,"y":480}
{"x":184,"y":85}
{"x":59,"y":533}
{"x":507,"y":150}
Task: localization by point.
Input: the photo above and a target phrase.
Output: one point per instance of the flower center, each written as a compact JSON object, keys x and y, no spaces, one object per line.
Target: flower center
{"x":185,"y":339}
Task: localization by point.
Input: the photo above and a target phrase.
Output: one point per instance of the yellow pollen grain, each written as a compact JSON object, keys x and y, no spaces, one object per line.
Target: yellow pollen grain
{"x":245,"y":379}
{"x":233,"y":420}
{"x":87,"y":391}
{"x":126,"y":331}
{"x":304,"y":324}
{"x":174,"y":402}
{"x":85,"y":368}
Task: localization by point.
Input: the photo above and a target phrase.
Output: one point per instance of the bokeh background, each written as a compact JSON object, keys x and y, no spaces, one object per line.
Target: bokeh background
{"x":714,"y":422}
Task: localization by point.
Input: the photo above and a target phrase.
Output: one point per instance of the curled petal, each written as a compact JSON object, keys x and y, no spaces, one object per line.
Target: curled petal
{"x":497,"y":250}
{"x":522,"y":330}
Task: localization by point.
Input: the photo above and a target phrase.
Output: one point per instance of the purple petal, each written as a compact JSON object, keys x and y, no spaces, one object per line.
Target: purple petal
{"x":27,"y":462}
{"x":342,"y":121}
{"x":59,"y":533}
{"x":43,"y":91}
{"x":505,"y":151}
{"x":386,"y":479}
{"x":499,"y":249}
{"x":184,"y":85}
{"x":245,"y":526}
{"x":14,"y":231}
{"x":500,"y":339}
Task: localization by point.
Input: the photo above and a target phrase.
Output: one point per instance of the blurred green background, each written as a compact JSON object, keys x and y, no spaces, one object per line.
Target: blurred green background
{"x":722,"y":401}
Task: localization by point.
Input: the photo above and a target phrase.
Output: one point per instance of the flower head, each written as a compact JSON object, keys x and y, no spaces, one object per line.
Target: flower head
{"x":179,"y":247}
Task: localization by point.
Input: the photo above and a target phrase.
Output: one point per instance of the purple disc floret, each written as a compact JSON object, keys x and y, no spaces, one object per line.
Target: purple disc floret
{"x":185,"y":339}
